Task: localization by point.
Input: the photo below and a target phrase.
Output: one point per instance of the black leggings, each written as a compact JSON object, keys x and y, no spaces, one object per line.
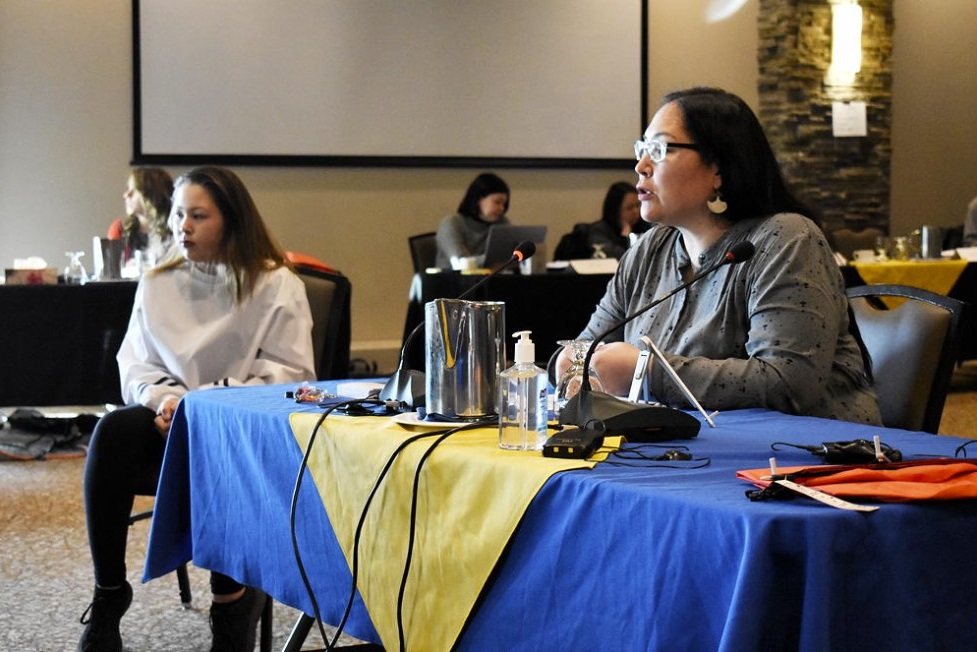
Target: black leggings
{"x":124,"y":460}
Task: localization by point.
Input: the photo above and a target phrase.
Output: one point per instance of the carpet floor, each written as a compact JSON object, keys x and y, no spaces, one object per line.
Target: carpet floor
{"x":46,"y":576}
{"x":45,"y":567}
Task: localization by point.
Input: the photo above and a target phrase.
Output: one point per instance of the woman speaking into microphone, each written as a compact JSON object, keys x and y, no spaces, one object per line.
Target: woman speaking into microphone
{"x":772,"y":332}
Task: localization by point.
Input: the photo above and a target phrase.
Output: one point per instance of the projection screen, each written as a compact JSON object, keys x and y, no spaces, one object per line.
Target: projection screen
{"x":530,"y":83}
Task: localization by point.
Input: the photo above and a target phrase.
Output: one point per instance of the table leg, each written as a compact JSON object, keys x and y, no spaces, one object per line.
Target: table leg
{"x":301,"y":629}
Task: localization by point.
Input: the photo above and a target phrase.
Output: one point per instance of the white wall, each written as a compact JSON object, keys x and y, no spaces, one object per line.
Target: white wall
{"x":934,"y":100}
{"x":65,"y":132}
{"x":65,"y":125}
{"x":688,"y":49}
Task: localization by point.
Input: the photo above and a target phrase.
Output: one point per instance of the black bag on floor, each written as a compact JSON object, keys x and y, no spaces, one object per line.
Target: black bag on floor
{"x":30,"y":435}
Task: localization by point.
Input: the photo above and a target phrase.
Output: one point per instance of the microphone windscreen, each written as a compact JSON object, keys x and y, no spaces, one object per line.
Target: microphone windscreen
{"x":524,"y":250}
{"x":740,"y":251}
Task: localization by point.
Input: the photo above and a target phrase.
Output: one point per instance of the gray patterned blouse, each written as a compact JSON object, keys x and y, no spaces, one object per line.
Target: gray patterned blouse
{"x":771,"y":332}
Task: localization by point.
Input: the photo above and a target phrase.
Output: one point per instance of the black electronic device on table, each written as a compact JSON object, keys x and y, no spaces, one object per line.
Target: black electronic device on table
{"x":504,"y":238}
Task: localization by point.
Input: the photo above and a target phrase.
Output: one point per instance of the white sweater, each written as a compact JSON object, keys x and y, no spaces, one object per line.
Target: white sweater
{"x":187,"y":332}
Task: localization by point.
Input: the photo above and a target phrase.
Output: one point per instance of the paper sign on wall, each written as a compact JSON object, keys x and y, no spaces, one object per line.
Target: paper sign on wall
{"x":848,"y":119}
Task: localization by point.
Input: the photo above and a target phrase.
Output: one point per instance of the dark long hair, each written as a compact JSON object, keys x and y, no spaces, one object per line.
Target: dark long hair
{"x":484,"y":185}
{"x":247,"y":247}
{"x":731,"y":137}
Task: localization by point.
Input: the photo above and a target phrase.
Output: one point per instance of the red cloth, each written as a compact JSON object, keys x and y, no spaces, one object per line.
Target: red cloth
{"x":115,"y":230}
{"x":305,"y":260}
{"x":933,"y":479}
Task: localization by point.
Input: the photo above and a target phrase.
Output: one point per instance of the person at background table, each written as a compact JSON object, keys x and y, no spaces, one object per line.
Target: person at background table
{"x":226,"y":311}
{"x":970,"y":225}
{"x":145,"y":227}
{"x":772,"y":332}
{"x":610,"y":236}
{"x":465,"y":233}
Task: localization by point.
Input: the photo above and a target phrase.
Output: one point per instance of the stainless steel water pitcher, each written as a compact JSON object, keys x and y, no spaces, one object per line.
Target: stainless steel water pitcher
{"x":930,"y":242}
{"x":108,"y":259}
{"x":465,"y":344}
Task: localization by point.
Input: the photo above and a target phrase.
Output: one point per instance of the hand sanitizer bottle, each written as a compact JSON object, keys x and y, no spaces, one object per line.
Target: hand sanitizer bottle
{"x":522,"y":399}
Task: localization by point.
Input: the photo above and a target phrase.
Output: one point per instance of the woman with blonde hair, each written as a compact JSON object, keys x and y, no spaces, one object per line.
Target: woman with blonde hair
{"x":145,"y":226}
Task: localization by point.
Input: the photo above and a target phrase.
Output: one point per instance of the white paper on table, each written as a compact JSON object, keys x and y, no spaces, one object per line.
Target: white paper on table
{"x":968,"y":253}
{"x":594,"y":265}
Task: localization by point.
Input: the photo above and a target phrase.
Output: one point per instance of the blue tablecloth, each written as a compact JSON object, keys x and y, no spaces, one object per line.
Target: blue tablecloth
{"x":614,"y":558}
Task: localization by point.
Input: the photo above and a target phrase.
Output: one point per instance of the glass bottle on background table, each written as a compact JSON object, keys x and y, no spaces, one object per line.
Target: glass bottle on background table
{"x":75,"y":273}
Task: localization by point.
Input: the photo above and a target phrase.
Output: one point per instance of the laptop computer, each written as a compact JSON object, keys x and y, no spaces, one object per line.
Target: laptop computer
{"x":503,"y":238}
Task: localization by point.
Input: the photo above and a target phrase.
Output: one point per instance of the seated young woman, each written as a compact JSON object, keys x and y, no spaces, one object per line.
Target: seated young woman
{"x":225,"y":310}
{"x":610,"y":236}
{"x":465,"y":234}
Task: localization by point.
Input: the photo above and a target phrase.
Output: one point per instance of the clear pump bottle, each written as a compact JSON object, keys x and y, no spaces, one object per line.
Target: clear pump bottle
{"x":522,"y":399}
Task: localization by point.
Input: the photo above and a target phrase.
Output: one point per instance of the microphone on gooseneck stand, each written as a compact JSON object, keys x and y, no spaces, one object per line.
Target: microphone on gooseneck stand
{"x":405,"y":387}
{"x":597,"y":413}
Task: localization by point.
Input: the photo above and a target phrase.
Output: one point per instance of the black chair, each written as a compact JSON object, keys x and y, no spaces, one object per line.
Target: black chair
{"x":574,"y":245}
{"x":953,"y":237}
{"x":330,"y":301}
{"x":913,"y":348}
{"x":182,"y":577}
{"x":423,"y":251}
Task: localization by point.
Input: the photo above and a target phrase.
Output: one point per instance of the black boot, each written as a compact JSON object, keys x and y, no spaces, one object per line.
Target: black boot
{"x":103,"y":615}
{"x":233,"y":624}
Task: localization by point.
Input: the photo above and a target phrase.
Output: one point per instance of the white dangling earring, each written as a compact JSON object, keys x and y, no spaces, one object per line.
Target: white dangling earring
{"x":716,"y":205}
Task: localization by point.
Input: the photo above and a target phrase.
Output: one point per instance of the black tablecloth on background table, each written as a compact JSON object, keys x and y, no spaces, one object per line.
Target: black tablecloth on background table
{"x":58,"y":342}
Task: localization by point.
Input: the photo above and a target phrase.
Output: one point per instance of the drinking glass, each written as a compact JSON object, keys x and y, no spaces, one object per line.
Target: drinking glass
{"x":569,"y":383}
{"x":902,"y":248}
{"x":882,"y":246}
{"x":75,"y":272}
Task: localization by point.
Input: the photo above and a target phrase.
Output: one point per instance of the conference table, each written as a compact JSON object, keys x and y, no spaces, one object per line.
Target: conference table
{"x":58,"y":342}
{"x":647,"y":555}
{"x":553,"y":305}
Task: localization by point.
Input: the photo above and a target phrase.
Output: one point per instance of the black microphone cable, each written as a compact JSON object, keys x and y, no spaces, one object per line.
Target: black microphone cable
{"x":343,"y":405}
{"x":354,"y":570}
{"x":962,"y":448}
{"x":293,"y":507}
{"x":292,"y":510}
{"x":413,"y":526}
{"x":296,"y":551}
{"x":674,"y":457}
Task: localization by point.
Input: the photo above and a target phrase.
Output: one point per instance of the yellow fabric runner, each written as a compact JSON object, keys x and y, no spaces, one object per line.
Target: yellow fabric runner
{"x":471,"y":497}
{"x":933,"y":275}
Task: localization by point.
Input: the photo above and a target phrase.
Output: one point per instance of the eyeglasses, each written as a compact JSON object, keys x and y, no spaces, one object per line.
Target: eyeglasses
{"x":656,"y":148}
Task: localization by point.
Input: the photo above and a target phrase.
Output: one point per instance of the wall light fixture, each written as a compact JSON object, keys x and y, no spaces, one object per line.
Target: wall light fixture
{"x":846,"y":43}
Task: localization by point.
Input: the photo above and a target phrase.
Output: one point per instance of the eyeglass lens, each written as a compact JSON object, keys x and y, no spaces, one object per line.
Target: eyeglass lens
{"x":655,"y":149}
